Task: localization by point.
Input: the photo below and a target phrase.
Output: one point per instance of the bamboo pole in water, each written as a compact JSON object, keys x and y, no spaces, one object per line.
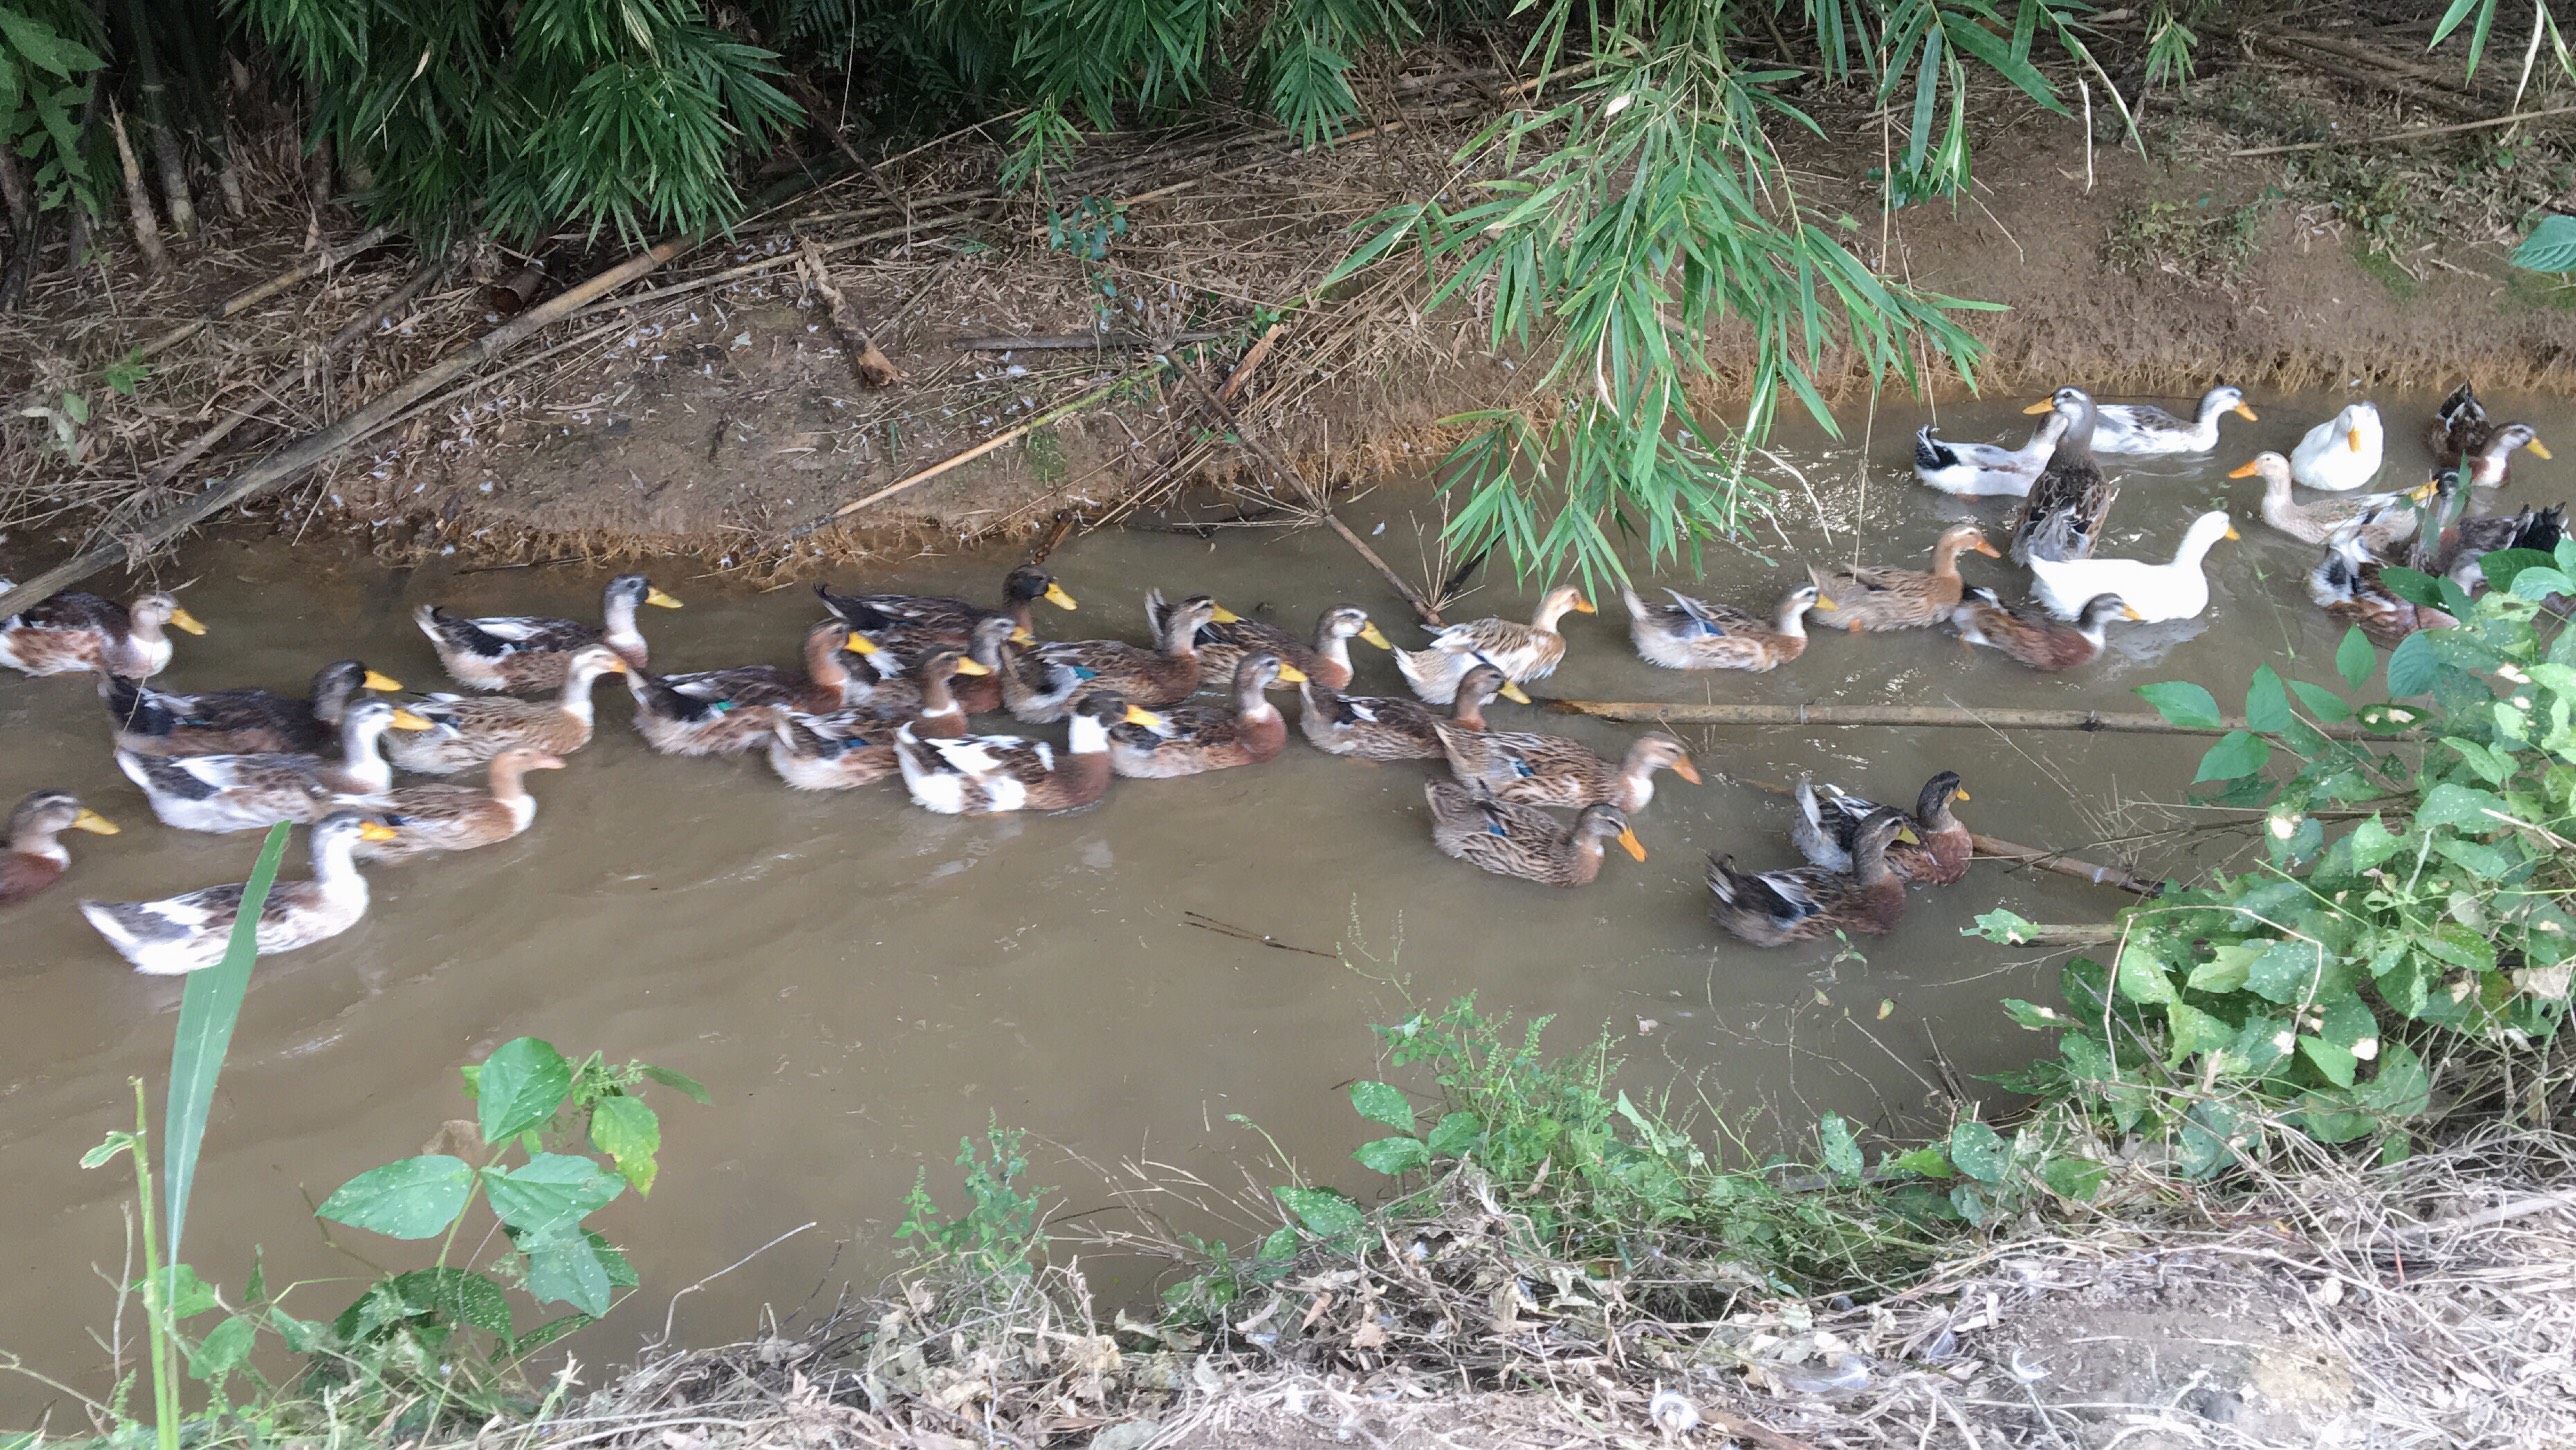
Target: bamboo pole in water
{"x":1664,"y":712}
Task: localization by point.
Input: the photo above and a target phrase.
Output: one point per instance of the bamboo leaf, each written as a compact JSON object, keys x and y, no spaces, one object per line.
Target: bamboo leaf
{"x":209,"y":1008}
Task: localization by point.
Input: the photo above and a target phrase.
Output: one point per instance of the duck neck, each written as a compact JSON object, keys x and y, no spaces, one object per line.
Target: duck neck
{"x":1467,"y":711}
{"x":1932,"y":808}
{"x":1333,"y":647}
{"x":1869,"y":864}
{"x":823,"y":659}
{"x":510,"y":788}
{"x":1791,"y":619}
{"x":1251,"y":705}
{"x":335,"y":866}
{"x":2486,"y":470}
{"x":1086,"y":734}
{"x":617,"y":621}
{"x":1180,"y":634}
{"x":1550,"y":613}
{"x":361,"y":759}
{"x":1945,"y":557}
{"x":938,"y":701}
{"x":144,"y":627}
{"x":576,"y":693}
{"x":34,"y":838}
{"x":331,"y":692}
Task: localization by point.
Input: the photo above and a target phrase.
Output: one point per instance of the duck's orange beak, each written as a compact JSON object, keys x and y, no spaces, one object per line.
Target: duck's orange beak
{"x":1634,"y":847}
{"x":377,"y":831}
{"x":969,"y":667}
{"x":2245,"y":470}
{"x":1584,"y":606}
{"x":375,"y":681}
{"x":2535,"y":449}
{"x":2245,"y":412}
{"x":2044,"y":405}
{"x":94,"y":823}
{"x":1056,"y":596}
{"x":406,"y":720}
{"x":660,"y":600}
{"x":1686,"y":770}
{"x":184,"y":620}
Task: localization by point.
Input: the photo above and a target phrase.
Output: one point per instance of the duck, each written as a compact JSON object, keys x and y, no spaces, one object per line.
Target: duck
{"x":1525,"y":842}
{"x":1051,"y":676}
{"x":443,"y":817}
{"x":840,"y":751}
{"x":2457,"y":545}
{"x":236,"y":722}
{"x":71,"y":633}
{"x":1227,"y":637}
{"x":2461,"y":435}
{"x":466,"y":731}
{"x":220,"y":793}
{"x":189,"y":933}
{"x":2392,"y":524}
{"x":2346,"y":585}
{"x":1396,"y":727}
{"x":32,"y":855}
{"x":898,"y":619}
{"x":983,"y":775}
{"x":726,"y":712}
{"x":1523,"y":652}
{"x":1775,"y":908}
{"x":2341,"y":453}
{"x":1551,"y":770}
{"x":925,"y":693}
{"x":1195,"y":739}
{"x":1986,"y":470}
{"x":2031,"y":637}
{"x":2142,"y":430}
{"x":1694,"y":634}
{"x":1829,"y":822}
{"x":524,"y":653}
{"x":2062,"y":516}
{"x":1877,"y":597}
{"x":2153,"y":592}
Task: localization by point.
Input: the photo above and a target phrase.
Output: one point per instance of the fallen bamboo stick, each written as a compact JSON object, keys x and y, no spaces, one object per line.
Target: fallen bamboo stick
{"x":2003,"y":850}
{"x":1085,"y":341}
{"x":239,"y":302}
{"x":2131,"y":722}
{"x":319,"y":446}
{"x":2390,"y":138}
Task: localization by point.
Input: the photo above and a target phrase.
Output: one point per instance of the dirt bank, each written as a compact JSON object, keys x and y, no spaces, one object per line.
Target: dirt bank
{"x":714,"y":411}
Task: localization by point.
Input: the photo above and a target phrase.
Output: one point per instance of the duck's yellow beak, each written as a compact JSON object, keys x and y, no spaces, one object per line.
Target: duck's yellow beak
{"x":969,"y":667}
{"x":1686,"y":770}
{"x":2231,"y":532}
{"x":859,"y":644}
{"x":616,"y":666}
{"x":406,"y":720}
{"x":2044,"y":405}
{"x":1989,"y":550}
{"x":1219,"y":614}
{"x":1138,"y":715}
{"x":377,"y":831}
{"x":1823,"y":603}
{"x":2245,"y":412}
{"x":1961,"y":794}
{"x":2535,"y":449}
{"x":1514,"y":693}
{"x":379,"y":681}
{"x":1584,"y":606}
{"x":1291,"y":675}
{"x":1634,"y":847}
{"x":2130,"y":611}
{"x":659,"y":600}
{"x":1056,"y":596}
{"x":184,"y":620}
{"x":94,"y":823}
{"x":2245,"y":470}
{"x":2423,"y":491}
{"x":2353,"y":438}
{"x":1371,"y":633}
{"x":1023,"y":638}
{"x":1906,"y":834}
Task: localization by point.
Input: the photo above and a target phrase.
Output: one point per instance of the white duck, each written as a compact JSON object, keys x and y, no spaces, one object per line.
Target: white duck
{"x":2143,"y":429}
{"x":2342,"y":453}
{"x":2178,"y":590}
{"x":1986,"y":470}
{"x":189,"y":933}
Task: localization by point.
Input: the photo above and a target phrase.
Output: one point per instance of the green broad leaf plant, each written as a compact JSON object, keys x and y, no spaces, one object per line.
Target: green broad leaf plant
{"x":2405,"y":940}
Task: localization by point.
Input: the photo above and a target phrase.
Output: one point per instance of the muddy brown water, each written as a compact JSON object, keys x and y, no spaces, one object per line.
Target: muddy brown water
{"x":860,"y":983}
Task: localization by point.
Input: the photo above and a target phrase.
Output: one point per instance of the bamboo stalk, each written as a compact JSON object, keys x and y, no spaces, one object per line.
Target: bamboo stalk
{"x":138,"y":198}
{"x":1664,"y":712}
{"x":319,"y":446}
{"x":2388,"y":138}
{"x":1083,"y":341}
{"x":242,"y":301}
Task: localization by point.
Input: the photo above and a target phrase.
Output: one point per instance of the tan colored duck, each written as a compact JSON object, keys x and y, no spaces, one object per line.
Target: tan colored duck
{"x":2462,"y":436}
{"x":465,"y":731}
{"x":442,"y":817}
{"x":71,"y":633}
{"x":2392,"y":521}
{"x":925,"y":692}
{"x":1693,"y":634}
{"x":2062,"y":517}
{"x":1523,"y":652}
{"x":247,"y":792}
{"x":1050,"y":677}
{"x":527,"y":652}
{"x":1830,"y":821}
{"x":189,"y":933}
{"x":726,"y":712}
{"x":1524,"y":842}
{"x":236,"y":722}
{"x":1396,"y":727}
{"x":2031,"y":637}
{"x":1877,"y":597}
{"x":1227,"y":637}
{"x":897,"y":621}
{"x":1775,"y":908}
{"x":1550,"y":770}
{"x":983,"y":775}
{"x":32,"y":856}
{"x":1195,"y":739}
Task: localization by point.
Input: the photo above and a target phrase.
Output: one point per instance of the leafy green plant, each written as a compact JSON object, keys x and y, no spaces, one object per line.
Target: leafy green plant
{"x":999,"y":1233}
{"x":2551,"y":247}
{"x":48,"y":54}
{"x":2409,"y":923}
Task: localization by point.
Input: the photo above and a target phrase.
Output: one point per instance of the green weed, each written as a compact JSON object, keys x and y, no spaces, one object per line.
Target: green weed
{"x":2195,"y":240}
{"x":999,"y":1233}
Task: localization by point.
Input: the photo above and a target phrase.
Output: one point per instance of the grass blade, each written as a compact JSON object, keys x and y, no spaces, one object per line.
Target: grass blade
{"x":208,"y":1008}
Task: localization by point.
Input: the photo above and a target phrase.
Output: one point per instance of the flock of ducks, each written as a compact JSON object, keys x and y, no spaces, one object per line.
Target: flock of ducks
{"x":890,"y":682}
